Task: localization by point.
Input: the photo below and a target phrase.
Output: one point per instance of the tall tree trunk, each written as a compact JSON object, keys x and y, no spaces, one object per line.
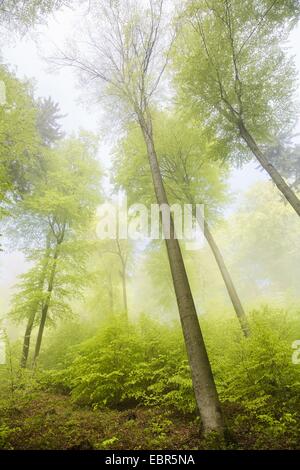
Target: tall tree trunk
{"x":202,"y":377}
{"x":27,"y":337}
{"x":46,"y":305}
{"x":124,"y":290}
{"x":111,"y":294}
{"x":30,"y":322}
{"x":237,"y":305}
{"x":273,"y":173}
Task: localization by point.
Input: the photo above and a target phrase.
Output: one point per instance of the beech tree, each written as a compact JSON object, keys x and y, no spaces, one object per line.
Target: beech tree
{"x":63,"y":202}
{"x":19,"y":137}
{"x":191,"y":176}
{"x":29,"y":297}
{"x":120,"y":249}
{"x":233,"y":73}
{"x":109,"y":264}
{"x":22,"y":15}
{"x":284,"y":153}
{"x":127,"y":54}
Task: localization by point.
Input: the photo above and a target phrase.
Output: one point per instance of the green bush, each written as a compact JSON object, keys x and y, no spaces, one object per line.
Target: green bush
{"x":145,"y":364}
{"x":6,"y":432}
{"x":123,"y":366}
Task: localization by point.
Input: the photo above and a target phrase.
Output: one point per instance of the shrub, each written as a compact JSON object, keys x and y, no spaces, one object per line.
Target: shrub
{"x":145,"y":364}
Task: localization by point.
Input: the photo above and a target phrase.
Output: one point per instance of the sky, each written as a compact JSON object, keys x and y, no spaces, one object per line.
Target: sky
{"x":27,"y":59}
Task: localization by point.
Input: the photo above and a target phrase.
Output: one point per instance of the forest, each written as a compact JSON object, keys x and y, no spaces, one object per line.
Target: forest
{"x":122,"y":124}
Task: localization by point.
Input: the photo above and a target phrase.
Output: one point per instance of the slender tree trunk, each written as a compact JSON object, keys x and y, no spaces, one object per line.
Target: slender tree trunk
{"x":273,"y":173}
{"x":237,"y":305}
{"x":124,"y":289}
{"x":111,"y":295}
{"x":30,"y":322}
{"x":202,"y":377}
{"x":46,"y":305}
{"x":27,"y":337}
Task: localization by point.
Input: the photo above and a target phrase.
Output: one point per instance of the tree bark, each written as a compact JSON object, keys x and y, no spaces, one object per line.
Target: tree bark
{"x":237,"y":305}
{"x":269,"y":168}
{"x":202,"y":377}
{"x":27,"y":337}
{"x":30,"y":322}
{"x":46,"y":305}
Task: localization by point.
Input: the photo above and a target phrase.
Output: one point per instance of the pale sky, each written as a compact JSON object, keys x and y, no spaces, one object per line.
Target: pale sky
{"x":26,"y":58}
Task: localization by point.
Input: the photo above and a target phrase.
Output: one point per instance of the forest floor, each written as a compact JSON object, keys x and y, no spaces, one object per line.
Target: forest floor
{"x":51,"y":421}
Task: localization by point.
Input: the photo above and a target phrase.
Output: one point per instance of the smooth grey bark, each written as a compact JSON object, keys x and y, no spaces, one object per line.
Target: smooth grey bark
{"x":230,"y":287}
{"x":237,"y":305}
{"x":203,"y":382}
{"x":269,"y":168}
{"x":126,"y":62}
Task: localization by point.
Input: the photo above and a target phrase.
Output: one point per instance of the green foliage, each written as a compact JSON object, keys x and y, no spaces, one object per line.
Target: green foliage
{"x":259,"y":368}
{"x":23,"y":15}
{"x":107,"y":443}
{"x":158,"y":429}
{"x":5,"y":434}
{"x":118,"y":368}
{"x":129,"y":382}
{"x":19,"y":138}
{"x":187,"y":153}
{"x":67,"y":183}
{"x":55,"y":216}
{"x":231,"y":65}
{"x":56,"y":352}
{"x":147,"y":366}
